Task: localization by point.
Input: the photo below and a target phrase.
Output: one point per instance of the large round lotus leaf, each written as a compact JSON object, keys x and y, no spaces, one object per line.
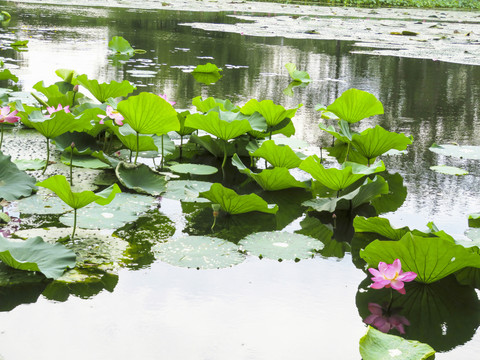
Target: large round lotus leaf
{"x":279,"y":245}
{"x":376,"y":345}
{"x":200,"y":252}
{"x":186,"y":190}
{"x":141,"y":178}
{"x":14,"y":183}
{"x":35,"y":254}
{"x":92,"y":247}
{"x":449,"y":170}
{"x":123,"y":209}
{"x":35,"y":164}
{"x":194,"y":169}
{"x":84,"y":161}
{"x":458,"y":151}
{"x":41,"y":205}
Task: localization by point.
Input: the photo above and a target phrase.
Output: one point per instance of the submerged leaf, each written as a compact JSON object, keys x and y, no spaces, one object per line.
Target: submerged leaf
{"x":36,"y":255}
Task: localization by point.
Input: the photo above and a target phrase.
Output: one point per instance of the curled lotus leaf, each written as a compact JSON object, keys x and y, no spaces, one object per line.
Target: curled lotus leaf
{"x":103,"y":91}
{"x":199,"y":252}
{"x":278,"y":155}
{"x":141,"y":178}
{"x":280,"y":245}
{"x":354,"y":105}
{"x":14,"y":183}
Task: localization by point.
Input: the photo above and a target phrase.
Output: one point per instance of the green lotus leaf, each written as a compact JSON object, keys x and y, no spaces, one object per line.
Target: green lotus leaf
{"x":148,"y":113}
{"x":212,"y":124}
{"x":207,"y":78}
{"x":431,"y":258}
{"x":354,"y":105}
{"x":294,"y":143}
{"x":276,"y":116}
{"x":376,"y":141}
{"x":42,"y":205}
{"x":184,"y":130}
{"x":207,"y":68}
{"x":54,"y":95}
{"x":60,"y":186}
{"x":66,"y":75}
{"x":120,"y":45}
{"x":199,"y":252}
{"x":289,"y":89}
{"x":60,"y":123}
{"x":20,"y":43}
{"x":338,"y":179}
{"x":376,"y":345}
{"x":449,"y":170}
{"x":5,"y":74}
{"x":113,"y":162}
{"x":104,"y":91}
{"x":128,"y":137}
{"x":233,"y":203}
{"x":14,"y":183}
{"x":278,"y":245}
{"x":124,"y":208}
{"x":86,"y":162}
{"x":186,"y":190}
{"x":344,"y":151}
{"x":278,"y":155}
{"x":5,"y":15}
{"x":344,"y":135}
{"x":210,"y":103}
{"x":85,"y":144}
{"x":474,"y":220}
{"x":379,"y":226}
{"x":269,"y":179}
{"x":36,"y":255}
{"x":297,"y":75}
{"x":397,"y":193}
{"x":458,"y":151}
{"x":194,"y":169}
{"x":141,"y":178}
{"x":368,"y":191}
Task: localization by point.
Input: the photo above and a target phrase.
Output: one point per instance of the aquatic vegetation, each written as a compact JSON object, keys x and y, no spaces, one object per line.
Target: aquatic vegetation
{"x":391,"y":275}
{"x":112,"y":114}
{"x":14,"y":183}
{"x":207,"y":74}
{"x":7,"y":117}
{"x":383,"y":321}
{"x":299,"y":79}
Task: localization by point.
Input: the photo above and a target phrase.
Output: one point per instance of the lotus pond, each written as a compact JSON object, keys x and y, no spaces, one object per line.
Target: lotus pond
{"x":241,"y":221}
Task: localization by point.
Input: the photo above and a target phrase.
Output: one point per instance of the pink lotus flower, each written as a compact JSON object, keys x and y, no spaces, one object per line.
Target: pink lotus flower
{"x":391,"y":275}
{"x":51,"y":109}
{"x":112,"y":114}
{"x":7,"y":116}
{"x":384,"y":322}
{"x":164,"y":97}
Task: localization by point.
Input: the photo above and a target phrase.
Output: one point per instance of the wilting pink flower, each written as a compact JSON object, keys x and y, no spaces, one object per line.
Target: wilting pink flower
{"x":51,"y":109}
{"x":383,"y":321}
{"x":112,"y":114}
{"x":164,"y":97}
{"x":7,"y":116}
{"x":391,"y":275}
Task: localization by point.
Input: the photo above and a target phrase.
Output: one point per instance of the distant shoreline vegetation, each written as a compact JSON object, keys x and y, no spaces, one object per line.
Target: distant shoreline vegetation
{"x":451,"y":4}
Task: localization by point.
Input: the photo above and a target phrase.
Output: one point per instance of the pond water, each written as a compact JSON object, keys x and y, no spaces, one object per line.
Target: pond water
{"x":260,"y":309}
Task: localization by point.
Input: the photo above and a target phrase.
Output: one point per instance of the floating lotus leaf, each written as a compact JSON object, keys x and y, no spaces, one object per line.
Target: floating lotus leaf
{"x":278,"y":155}
{"x":269,"y":179}
{"x":233,"y":203}
{"x":354,"y":105}
{"x":123,"y":209}
{"x":194,"y":169}
{"x":449,"y":170}
{"x":458,"y":151}
{"x":338,"y":179}
{"x":86,"y":162}
{"x":212,"y":124}
{"x":474,"y":220}
{"x":148,"y":113}
{"x":200,"y":252}
{"x":6,"y":74}
{"x":297,"y":75}
{"x":431,"y":258}
{"x":60,"y":186}
{"x":376,"y":141}
{"x":277,"y":245}
{"x":186,"y":190}
{"x":207,"y":74}
{"x":60,"y":123}
{"x":14,"y":183}
{"x":211,"y":103}
{"x":42,"y":204}
{"x":141,"y":178}
{"x":370,"y":190}
{"x":120,"y":45}
{"x":379,"y":226}
{"x":104,"y":91}
{"x":36,"y":255}
{"x":376,"y":345}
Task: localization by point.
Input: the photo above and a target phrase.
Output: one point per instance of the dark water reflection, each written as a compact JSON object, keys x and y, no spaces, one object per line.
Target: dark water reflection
{"x":433,"y":101}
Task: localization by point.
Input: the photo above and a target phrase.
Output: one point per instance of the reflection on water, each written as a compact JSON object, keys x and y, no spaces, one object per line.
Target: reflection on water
{"x":433,"y":101}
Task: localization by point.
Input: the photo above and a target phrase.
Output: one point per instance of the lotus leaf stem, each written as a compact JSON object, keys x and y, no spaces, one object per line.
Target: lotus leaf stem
{"x":1,"y":138}
{"x":138,"y":146}
{"x":48,"y":156}
{"x":74,"y":222}
{"x":71,"y":168}
{"x":162,"y":161}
